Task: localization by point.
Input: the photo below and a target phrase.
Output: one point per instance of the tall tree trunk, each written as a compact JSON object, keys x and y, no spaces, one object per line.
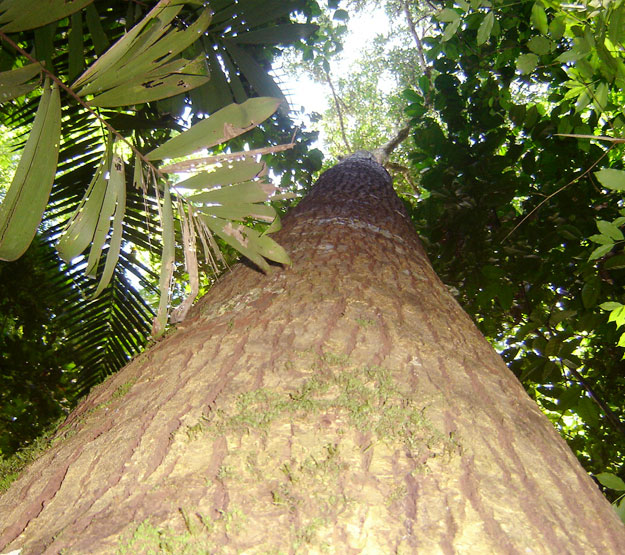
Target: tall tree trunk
{"x":346,"y":403}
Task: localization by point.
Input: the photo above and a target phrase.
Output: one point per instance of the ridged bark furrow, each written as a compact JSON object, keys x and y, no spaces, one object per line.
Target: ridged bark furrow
{"x":346,"y":403}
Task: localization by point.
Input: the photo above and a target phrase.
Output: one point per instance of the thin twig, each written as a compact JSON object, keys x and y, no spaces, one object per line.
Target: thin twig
{"x":338,"y":110}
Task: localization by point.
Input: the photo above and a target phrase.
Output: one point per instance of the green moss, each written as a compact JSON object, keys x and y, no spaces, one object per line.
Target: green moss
{"x":11,"y":467}
{"x":365,"y":323}
{"x":123,"y":389}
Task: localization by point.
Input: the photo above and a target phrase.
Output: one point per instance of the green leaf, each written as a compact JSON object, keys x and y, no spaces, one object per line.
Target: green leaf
{"x":257,"y":76}
{"x":610,"y":305}
{"x":340,"y":15}
{"x":13,"y":83}
{"x":611,"y":481}
{"x":20,"y":16}
{"x":79,"y":230}
{"x":612,"y":179}
{"x":451,"y":29}
{"x":98,"y":36}
{"x":76,"y":47}
{"x":187,"y":76}
{"x":617,"y":316}
{"x":229,"y":122}
{"x":601,"y":251}
{"x":540,"y":45}
{"x":601,"y":96}
{"x":483,"y":32}
{"x":609,"y":229}
{"x":539,"y":18}
{"x":240,"y":211}
{"x":285,"y":34}
{"x":251,"y":191}
{"x":231,"y":172}
{"x":601,"y":239}
{"x":27,"y":197}
{"x":590,"y":293}
{"x":526,"y":63}
{"x":117,"y":182}
{"x":448,"y":15}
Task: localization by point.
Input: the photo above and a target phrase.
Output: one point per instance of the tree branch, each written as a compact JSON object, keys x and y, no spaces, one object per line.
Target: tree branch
{"x":338,"y":110}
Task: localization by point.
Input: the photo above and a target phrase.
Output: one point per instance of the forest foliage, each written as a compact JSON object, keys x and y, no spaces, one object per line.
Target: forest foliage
{"x":512,"y":175}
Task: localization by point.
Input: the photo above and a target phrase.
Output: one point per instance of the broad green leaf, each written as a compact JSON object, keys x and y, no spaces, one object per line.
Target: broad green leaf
{"x":610,"y":305}
{"x":540,"y":45}
{"x":526,"y":63}
{"x":287,"y":33}
{"x":340,"y":15}
{"x":20,"y":16}
{"x":609,"y":229}
{"x":229,"y":122}
{"x":187,"y":77}
{"x":616,"y":26}
{"x":612,"y":179}
{"x":230,"y":172}
{"x":448,"y":15}
{"x":79,"y":231}
{"x":13,"y":83}
{"x":590,"y":293}
{"x":611,"y":481}
{"x":251,"y":191}
{"x":617,"y":316}
{"x":601,"y":96}
{"x":117,"y":182}
{"x":601,"y":251}
{"x":557,"y":26}
{"x":25,"y":201}
{"x":539,"y":18}
{"x":451,"y":29}
{"x":485,"y":28}
{"x":167,"y":263}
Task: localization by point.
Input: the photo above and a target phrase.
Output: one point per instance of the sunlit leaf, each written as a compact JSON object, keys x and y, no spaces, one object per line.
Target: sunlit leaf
{"x":485,"y":28}
{"x":251,"y":191}
{"x":601,"y":251}
{"x":611,"y":481}
{"x":20,"y":16}
{"x":609,"y":229}
{"x":231,"y":172}
{"x":80,"y":229}
{"x":25,"y":201}
{"x":526,"y":63}
{"x":539,"y":18}
{"x":612,"y":179}
{"x":229,"y":122}
{"x":117,"y":182}
{"x":286,"y":33}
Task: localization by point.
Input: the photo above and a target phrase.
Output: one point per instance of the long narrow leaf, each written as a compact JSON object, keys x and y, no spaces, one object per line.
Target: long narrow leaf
{"x":27,"y":197}
{"x":20,"y":16}
{"x":229,"y":122}
{"x":118,"y":182}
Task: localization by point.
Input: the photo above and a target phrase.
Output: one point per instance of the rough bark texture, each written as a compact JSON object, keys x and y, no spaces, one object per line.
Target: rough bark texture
{"x":345,"y":404}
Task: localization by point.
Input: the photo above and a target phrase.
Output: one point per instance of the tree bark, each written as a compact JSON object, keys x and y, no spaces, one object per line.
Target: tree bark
{"x":345,"y":403}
